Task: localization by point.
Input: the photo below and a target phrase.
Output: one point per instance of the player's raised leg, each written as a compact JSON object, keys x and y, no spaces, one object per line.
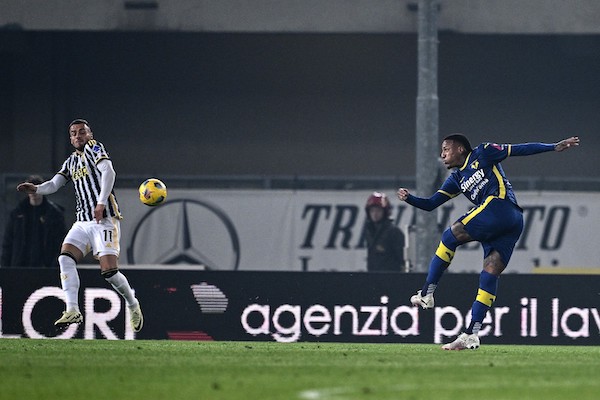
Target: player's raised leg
{"x":438,"y":265}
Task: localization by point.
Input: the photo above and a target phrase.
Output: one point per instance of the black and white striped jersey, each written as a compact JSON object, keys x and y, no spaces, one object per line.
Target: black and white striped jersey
{"x":81,"y":168}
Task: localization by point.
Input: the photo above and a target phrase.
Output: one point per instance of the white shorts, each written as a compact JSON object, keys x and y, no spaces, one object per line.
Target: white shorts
{"x":101,"y":238}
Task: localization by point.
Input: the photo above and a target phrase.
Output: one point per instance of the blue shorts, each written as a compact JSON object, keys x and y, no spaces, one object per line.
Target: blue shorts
{"x":497,"y":224}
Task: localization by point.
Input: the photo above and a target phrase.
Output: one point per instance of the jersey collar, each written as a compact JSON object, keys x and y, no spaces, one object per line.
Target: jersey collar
{"x":466,"y":162}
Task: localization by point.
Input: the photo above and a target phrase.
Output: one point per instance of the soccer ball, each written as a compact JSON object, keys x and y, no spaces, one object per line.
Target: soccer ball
{"x":153,"y":192}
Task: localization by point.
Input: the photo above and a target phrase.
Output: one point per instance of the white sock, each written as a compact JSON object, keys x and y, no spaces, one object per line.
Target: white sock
{"x":120,"y":283}
{"x":69,"y":280}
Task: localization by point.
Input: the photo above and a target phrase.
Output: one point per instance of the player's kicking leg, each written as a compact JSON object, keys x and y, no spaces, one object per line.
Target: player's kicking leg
{"x":438,"y":265}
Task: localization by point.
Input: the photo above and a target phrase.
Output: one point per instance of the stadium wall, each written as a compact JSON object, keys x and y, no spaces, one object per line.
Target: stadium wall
{"x":488,"y":16}
{"x":323,"y":230}
{"x":297,"y":104}
{"x":308,"y":230}
{"x":291,"y":307}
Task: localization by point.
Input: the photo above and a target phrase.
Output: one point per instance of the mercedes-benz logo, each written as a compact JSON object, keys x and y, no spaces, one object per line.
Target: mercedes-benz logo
{"x":185,"y":231}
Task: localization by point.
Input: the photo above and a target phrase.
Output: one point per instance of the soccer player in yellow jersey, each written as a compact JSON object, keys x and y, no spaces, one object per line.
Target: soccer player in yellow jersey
{"x":496,"y":221}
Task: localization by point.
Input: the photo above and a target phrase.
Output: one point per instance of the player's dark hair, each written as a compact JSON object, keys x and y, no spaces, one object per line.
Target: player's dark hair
{"x":462,"y":139}
{"x":80,"y":121}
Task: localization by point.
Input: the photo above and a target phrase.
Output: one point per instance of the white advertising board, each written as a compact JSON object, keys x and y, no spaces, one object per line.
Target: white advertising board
{"x":322,"y":230}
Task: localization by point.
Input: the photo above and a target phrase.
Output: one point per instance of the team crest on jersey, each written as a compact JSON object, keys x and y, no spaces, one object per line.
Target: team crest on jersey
{"x":475,"y":164}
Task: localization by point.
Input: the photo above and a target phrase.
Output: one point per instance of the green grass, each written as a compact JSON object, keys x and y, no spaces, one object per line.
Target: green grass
{"x":102,"y":369}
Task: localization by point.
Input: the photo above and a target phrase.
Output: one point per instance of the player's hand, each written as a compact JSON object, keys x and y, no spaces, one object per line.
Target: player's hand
{"x":27,"y":187}
{"x":402,"y":194}
{"x":99,"y":212}
{"x":566,"y":143}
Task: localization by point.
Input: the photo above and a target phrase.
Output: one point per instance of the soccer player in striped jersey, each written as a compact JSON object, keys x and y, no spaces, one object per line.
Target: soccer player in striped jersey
{"x":97,"y":227}
{"x":496,"y":221}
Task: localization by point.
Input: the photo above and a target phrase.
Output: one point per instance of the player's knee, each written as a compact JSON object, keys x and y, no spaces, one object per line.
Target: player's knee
{"x":67,"y":254}
{"x":109,"y":274}
{"x":493,"y":263}
{"x":459,"y":233}
{"x":449,"y":239}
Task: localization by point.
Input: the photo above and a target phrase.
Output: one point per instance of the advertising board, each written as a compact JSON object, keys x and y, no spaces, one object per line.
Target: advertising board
{"x":303,"y":306}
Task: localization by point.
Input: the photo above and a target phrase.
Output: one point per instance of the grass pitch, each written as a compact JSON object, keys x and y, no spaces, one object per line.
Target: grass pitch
{"x":102,"y":369}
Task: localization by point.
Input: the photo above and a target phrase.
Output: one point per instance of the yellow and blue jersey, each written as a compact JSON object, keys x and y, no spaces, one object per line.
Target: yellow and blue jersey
{"x":496,"y":221}
{"x":481,"y":175}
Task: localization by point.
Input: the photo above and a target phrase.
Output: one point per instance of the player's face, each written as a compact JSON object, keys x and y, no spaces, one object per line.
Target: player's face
{"x":452,"y":154}
{"x":80,"y":134}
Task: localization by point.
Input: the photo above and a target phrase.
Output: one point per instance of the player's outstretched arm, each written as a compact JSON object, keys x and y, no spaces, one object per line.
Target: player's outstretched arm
{"x":567,"y":143}
{"x":427,"y":204}
{"x":47,"y":187}
{"x":527,"y":149}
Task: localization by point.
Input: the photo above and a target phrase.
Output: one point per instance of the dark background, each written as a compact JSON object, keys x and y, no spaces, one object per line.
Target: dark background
{"x":308,"y":104}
